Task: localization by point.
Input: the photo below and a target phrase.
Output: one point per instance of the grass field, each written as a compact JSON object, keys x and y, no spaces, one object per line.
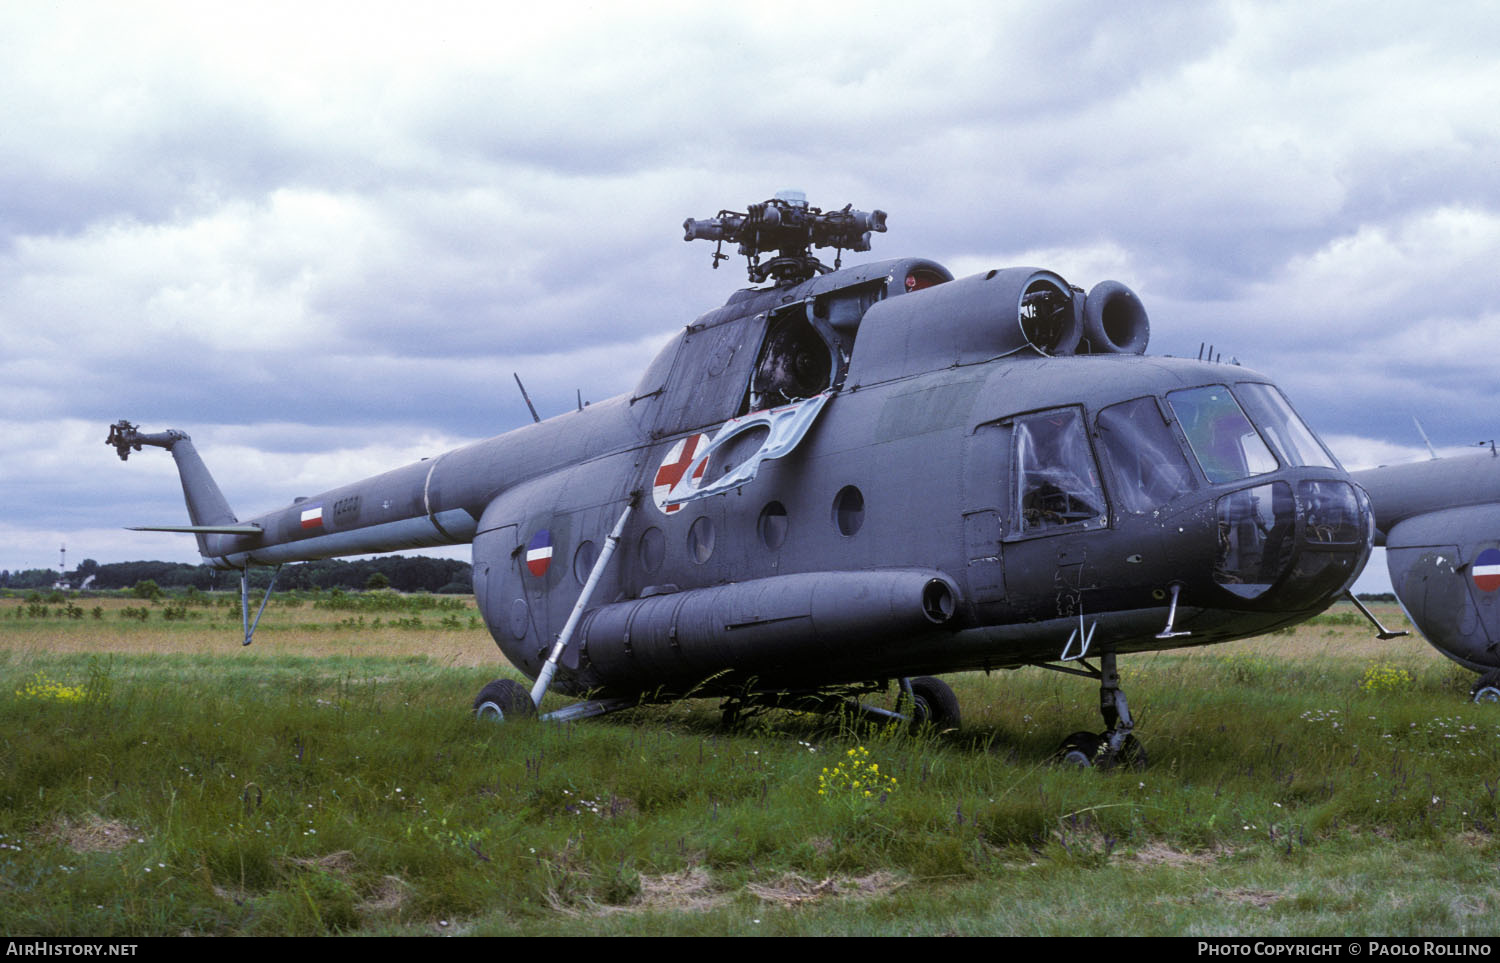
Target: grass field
{"x":158,"y":778}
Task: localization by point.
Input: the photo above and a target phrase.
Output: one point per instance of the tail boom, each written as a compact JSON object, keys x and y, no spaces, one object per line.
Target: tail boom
{"x":387,"y":513}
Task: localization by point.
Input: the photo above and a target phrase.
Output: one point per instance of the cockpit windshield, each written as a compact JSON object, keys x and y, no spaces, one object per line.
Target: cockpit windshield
{"x":1226,"y":444}
{"x":1293,"y":441}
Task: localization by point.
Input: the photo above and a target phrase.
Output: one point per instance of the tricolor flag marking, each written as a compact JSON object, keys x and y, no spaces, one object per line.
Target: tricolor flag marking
{"x":1486,"y":570}
{"x":312,"y":517}
{"x":673,"y":467}
{"x":539,"y":553}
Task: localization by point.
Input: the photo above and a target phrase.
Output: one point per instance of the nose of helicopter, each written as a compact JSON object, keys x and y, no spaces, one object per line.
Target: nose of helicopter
{"x":1291,"y":544}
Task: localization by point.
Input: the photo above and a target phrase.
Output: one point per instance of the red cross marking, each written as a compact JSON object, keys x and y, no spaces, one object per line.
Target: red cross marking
{"x":673,"y":467}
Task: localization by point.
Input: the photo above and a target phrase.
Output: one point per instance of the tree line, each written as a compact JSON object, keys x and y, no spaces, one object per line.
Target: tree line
{"x":416,"y":573}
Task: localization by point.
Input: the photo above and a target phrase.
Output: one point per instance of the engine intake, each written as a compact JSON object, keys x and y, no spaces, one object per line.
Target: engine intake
{"x":1114,"y":321}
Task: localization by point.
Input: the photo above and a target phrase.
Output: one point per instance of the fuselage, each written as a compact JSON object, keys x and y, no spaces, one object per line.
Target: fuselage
{"x":984,"y":488}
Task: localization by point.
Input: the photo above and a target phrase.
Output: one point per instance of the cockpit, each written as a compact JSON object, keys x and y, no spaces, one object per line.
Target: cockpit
{"x":1231,"y":434}
{"x":1240,"y":444}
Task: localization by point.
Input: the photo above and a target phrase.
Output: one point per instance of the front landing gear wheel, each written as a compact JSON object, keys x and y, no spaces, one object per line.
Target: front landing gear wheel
{"x":504,"y":700}
{"x":1079,"y":750}
{"x":1090,"y":750}
{"x":933,"y":702}
{"x":1487,"y":689}
{"x":1132,"y":756}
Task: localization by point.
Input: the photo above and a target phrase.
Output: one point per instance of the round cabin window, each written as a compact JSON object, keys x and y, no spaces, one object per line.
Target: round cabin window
{"x":772,"y":525}
{"x":848,"y":510}
{"x":653,"y":549}
{"x":701,"y":539}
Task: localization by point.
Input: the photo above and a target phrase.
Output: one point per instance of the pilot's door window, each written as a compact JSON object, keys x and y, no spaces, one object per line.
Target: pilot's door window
{"x":1146,"y":466}
{"x":1055,"y":476}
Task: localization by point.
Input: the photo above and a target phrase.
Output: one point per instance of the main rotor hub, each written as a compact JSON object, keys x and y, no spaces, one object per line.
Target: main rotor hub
{"x":786,"y":225}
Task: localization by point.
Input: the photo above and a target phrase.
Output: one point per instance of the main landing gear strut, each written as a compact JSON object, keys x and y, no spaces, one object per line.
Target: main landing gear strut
{"x":1116,"y":746}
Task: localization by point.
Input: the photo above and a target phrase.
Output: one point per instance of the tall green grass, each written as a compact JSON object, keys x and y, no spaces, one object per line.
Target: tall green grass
{"x":250,"y":792}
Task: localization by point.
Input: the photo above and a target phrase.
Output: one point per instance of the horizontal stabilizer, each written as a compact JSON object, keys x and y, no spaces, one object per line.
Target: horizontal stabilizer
{"x":199,"y":529}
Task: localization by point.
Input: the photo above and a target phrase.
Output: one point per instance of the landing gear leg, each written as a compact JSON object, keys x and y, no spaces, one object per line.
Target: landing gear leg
{"x":1119,"y":745}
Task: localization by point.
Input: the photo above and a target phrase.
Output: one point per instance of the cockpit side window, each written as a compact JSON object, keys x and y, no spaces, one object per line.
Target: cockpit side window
{"x":1293,"y":441}
{"x":1222,"y":438}
{"x":1056,"y":479}
{"x":1146,"y":465}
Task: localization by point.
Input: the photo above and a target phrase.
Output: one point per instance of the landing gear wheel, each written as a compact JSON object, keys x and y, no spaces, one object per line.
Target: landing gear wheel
{"x":1079,"y":750}
{"x":933,"y":702}
{"x":1487,"y":689}
{"x":1132,"y":755}
{"x":504,"y":700}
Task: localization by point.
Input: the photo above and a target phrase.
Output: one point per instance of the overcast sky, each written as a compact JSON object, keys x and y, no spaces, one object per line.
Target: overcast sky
{"x":320,"y":238}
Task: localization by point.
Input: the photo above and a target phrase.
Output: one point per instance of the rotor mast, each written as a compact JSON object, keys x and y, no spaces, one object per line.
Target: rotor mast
{"x":786,"y":225}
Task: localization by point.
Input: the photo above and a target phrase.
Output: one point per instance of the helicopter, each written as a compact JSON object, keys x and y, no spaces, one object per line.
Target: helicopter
{"x":1439,"y":521}
{"x":849,"y":476}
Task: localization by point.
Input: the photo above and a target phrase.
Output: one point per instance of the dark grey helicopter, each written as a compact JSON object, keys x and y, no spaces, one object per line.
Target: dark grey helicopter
{"x":1439,"y":521}
{"x":850,"y":476}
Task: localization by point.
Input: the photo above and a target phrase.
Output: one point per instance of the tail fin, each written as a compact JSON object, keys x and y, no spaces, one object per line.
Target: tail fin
{"x":207,"y":508}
